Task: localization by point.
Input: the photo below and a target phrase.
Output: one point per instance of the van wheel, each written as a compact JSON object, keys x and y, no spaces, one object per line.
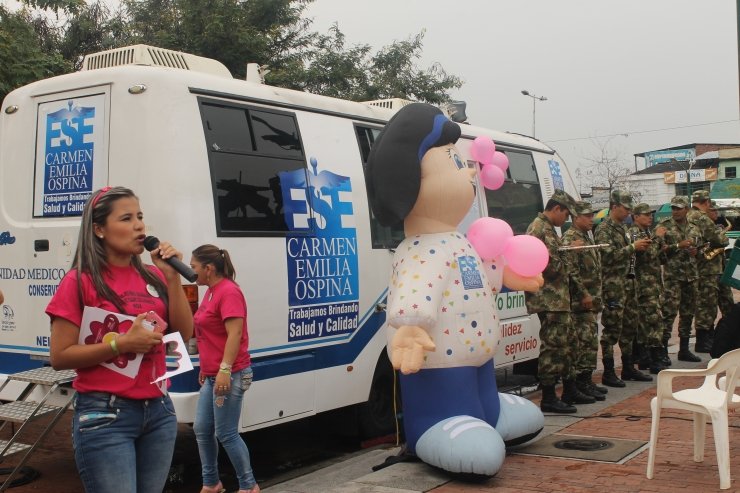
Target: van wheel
{"x":376,"y":416}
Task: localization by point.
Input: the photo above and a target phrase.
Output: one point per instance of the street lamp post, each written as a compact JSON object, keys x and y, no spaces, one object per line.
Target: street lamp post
{"x":534,"y":106}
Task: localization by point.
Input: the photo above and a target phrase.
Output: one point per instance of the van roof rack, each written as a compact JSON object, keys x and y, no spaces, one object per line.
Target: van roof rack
{"x":153,"y":56}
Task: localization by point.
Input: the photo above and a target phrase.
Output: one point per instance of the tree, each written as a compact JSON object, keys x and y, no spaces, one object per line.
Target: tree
{"x":393,"y":74}
{"x":235,"y":32}
{"x":354,"y":73}
{"x":92,"y":28}
{"x":606,"y":167}
{"x":27,"y":50}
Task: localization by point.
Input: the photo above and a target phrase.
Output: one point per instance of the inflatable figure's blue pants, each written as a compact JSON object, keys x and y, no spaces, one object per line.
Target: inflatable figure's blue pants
{"x":431,"y":395}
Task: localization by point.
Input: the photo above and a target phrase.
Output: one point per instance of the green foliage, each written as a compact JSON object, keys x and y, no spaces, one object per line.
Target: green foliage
{"x":354,"y":73}
{"x":235,"y":32}
{"x":91,"y":29}
{"x":27,"y":50}
{"x":265,"y":31}
{"x":70,"y":6}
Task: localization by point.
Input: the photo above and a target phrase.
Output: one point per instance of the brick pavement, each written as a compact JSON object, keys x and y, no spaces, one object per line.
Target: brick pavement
{"x":675,"y":469}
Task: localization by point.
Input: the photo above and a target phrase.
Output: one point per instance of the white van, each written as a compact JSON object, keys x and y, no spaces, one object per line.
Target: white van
{"x":273,"y":175}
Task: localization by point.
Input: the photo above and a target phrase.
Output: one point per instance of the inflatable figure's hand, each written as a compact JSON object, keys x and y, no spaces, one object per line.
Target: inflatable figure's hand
{"x":514,"y":281}
{"x":408,"y":346}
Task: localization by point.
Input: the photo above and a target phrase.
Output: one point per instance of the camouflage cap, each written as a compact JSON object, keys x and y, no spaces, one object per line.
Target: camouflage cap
{"x":583,"y":208}
{"x":621,"y":197}
{"x":641,"y":208}
{"x":700,"y":196}
{"x":564,"y":199}
{"x":679,"y":201}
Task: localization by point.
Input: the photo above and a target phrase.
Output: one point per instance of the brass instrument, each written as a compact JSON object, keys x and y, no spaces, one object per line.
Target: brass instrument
{"x":708,"y":252}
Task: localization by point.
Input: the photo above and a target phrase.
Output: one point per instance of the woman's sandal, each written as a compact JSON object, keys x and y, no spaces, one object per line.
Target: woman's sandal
{"x":219,"y":488}
{"x":255,"y":489}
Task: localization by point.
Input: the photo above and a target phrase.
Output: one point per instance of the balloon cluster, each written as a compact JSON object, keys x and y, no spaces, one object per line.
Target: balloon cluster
{"x":524,"y":254}
{"x":493,"y":238}
{"x":494,"y":163}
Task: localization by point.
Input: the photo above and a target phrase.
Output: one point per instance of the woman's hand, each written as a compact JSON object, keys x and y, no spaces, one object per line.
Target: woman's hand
{"x":138,"y":339}
{"x":160,"y":254}
{"x":223,"y":383}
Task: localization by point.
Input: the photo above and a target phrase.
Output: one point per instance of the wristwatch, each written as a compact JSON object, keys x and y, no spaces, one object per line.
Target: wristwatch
{"x":225,"y":367}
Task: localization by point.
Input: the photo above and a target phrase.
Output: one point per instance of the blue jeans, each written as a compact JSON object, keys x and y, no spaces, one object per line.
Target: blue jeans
{"x":214,"y":423}
{"x":123,"y":445}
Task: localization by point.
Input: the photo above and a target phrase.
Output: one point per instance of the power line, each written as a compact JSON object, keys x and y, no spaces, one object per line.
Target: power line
{"x":626,"y":134}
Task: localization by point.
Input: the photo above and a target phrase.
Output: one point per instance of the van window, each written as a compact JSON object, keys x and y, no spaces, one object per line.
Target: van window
{"x":276,"y":134}
{"x":247,"y":149}
{"x":387,"y":237}
{"x":519,"y":200}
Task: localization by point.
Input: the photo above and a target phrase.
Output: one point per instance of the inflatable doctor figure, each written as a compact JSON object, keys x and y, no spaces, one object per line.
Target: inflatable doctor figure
{"x":442,"y":323}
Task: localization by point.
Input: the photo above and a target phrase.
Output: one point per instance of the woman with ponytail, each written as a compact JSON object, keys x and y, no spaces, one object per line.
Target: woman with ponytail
{"x":225,"y":372}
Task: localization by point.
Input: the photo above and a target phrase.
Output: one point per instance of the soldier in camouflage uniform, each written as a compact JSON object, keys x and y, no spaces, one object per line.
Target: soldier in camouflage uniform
{"x":679,"y":276}
{"x":648,"y":346}
{"x":726,"y":300}
{"x":619,"y":317}
{"x":585,"y":305}
{"x":552,"y":305}
{"x":707,"y":291}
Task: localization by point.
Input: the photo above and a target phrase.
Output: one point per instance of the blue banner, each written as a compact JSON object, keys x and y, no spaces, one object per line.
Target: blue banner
{"x":68,"y":160}
{"x":557,"y":176}
{"x":321,"y":251}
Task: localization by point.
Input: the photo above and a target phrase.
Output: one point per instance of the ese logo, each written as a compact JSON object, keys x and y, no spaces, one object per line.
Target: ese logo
{"x":6,"y":239}
{"x":8,"y":313}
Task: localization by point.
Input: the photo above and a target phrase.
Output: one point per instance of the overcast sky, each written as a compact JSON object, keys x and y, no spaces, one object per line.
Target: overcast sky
{"x":607,"y":67}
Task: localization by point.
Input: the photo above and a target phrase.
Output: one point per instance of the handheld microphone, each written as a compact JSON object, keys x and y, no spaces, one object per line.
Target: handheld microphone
{"x":152,"y":242}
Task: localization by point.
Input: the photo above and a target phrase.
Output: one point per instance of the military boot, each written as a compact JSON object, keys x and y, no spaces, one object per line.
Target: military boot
{"x":629,"y":372}
{"x":586,"y":386}
{"x":665,"y":359}
{"x":642,"y":358}
{"x":586,"y":375}
{"x":571,"y":394}
{"x":551,"y":404}
{"x":703,"y":341}
{"x":610,"y":378}
{"x":656,"y":360}
{"x":684,"y":354}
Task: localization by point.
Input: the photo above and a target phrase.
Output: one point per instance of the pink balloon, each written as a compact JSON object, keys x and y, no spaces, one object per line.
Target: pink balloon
{"x":489,"y":236}
{"x":483,"y":149}
{"x":492,"y":177}
{"x":500,"y":161}
{"x":526,"y":255}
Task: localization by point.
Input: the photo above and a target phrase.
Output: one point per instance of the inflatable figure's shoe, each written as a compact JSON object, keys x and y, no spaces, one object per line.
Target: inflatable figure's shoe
{"x":519,"y":420}
{"x":462,"y":444}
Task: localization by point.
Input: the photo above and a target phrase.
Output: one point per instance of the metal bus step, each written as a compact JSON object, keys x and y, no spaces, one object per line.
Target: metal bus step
{"x":14,"y":448}
{"x":44,"y":376}
{"x":21,"y":411}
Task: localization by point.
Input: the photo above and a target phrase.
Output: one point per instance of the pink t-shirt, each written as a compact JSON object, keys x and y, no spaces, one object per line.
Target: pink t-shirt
{"x":137,"y":297}
{"x":222,"y":301}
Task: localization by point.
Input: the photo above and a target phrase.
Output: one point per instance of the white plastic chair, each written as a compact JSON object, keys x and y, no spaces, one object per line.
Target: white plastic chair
{"x":707,"y":400}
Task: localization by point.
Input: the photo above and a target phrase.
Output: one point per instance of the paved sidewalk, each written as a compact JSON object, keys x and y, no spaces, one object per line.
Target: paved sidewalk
{"x":624,"y":415}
